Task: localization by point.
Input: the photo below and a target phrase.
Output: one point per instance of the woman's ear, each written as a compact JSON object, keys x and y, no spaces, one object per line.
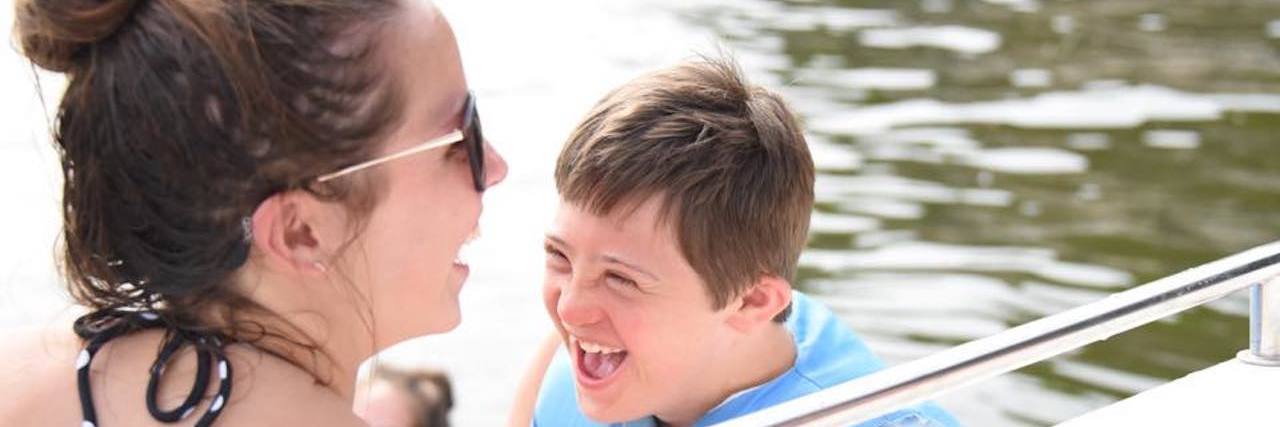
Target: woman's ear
{"x":285,"y":234}
{"x":761,"y":303}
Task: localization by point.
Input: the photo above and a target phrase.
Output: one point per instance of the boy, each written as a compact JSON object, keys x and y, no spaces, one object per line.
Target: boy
{"x":685,"y":198}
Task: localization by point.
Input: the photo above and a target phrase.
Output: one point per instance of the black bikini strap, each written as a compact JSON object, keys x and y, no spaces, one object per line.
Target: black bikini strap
{"x":98,"y":329}
{"x":224,"y":383}
{"x":197,"y":390}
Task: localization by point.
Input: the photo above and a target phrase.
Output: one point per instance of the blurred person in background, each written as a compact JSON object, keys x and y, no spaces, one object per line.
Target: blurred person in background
{"x":393,"y":397}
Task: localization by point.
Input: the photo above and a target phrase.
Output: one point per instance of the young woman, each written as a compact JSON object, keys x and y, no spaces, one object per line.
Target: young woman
{"x":258,"y":196}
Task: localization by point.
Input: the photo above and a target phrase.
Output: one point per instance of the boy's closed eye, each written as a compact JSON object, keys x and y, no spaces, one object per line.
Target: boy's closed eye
{"x":618,"y":280}
{"x":556,"y":260}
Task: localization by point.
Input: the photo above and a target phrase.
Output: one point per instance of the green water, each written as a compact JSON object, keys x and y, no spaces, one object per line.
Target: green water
{"x":1012,"y":204}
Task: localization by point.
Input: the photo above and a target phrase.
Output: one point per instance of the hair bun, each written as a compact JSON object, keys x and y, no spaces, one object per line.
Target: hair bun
{"x":54,"y":33}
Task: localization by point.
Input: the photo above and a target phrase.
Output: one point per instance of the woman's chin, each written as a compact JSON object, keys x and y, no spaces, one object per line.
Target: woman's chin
{"x":433,"y":319}
{"x":451,"y":323}
{"x":445,"y":319}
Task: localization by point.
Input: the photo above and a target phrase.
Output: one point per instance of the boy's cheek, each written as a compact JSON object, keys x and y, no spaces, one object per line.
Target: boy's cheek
{"x":551,"y":300}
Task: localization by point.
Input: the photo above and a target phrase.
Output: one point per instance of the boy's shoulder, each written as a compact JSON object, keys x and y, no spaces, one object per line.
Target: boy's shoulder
{"x":828,"y":353}
{"x":827,"y":350}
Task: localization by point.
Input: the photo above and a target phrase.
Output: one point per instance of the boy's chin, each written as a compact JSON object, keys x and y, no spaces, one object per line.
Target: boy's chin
{"x":608,"y":415}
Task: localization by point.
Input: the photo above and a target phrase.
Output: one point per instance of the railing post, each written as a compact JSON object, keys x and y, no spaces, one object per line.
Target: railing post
{"x":1264,"y":324}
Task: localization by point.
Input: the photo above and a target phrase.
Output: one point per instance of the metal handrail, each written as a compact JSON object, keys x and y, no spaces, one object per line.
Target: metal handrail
{"x":913,"y":382}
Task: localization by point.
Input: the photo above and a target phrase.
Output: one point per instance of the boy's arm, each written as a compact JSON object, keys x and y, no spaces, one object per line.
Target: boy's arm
{"x":527,"y":392}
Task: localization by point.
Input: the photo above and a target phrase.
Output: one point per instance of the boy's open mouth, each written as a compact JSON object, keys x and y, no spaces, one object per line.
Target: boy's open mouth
{"x":597,"y":362}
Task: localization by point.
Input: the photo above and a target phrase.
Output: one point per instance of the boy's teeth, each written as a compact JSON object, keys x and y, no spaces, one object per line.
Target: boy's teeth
{"x":591,"y":347}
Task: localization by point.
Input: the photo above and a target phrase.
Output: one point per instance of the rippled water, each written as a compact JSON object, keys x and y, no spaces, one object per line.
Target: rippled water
{"x":987,"y":163}
{"x":982,"y":164}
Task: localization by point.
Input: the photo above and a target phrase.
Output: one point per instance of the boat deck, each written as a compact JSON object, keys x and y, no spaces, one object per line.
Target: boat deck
{"x":1232,"y":393}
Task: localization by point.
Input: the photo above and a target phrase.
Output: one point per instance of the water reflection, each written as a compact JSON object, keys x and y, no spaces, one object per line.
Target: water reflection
{"x":986,"y":163}
{"x":955,"y":38}
{"x":1100,"y":105}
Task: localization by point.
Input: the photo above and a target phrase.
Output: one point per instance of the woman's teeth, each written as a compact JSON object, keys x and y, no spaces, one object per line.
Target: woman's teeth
{"x":464,"y":253}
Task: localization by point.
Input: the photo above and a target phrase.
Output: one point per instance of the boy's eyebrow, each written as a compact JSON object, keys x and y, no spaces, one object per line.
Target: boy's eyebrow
{"x":557,"y":240}
{"x":616,"y":260}
{"x":608,"y":258}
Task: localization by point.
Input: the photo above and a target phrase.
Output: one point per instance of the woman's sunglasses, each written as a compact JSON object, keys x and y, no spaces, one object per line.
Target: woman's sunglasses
{"x":470,"y":135}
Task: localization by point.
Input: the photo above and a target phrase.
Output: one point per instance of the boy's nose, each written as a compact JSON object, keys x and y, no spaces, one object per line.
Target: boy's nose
{"x":576,"y":307}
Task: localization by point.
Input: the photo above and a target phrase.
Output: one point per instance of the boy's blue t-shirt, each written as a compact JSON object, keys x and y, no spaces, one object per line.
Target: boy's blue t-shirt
{"x":827,"y":353}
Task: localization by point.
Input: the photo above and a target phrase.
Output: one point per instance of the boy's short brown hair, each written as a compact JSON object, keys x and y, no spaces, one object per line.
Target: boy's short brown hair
{"x":728,"y":160}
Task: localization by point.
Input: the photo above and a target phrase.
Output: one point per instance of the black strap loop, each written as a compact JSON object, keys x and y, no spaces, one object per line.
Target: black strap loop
{"x":197,"y":390}
{"x":99,"y":327}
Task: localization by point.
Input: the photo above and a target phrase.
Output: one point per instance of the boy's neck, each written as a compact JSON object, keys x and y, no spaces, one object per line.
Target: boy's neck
{"x":760,"y":359}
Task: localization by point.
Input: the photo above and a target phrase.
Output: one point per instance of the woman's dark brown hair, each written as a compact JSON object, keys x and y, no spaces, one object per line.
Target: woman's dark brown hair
{"x":181,"y":116}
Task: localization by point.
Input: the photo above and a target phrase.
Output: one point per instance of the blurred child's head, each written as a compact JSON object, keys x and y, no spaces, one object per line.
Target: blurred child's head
{"x":685,"y":198}
{"x":392,"y":397}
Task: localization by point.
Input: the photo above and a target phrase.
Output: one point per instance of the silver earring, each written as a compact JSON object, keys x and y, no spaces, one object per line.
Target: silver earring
{"x":319,"y":266}
{"x":246,"y":228}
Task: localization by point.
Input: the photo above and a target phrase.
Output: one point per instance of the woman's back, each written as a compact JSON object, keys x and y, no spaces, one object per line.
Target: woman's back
{"x":38,"y":378}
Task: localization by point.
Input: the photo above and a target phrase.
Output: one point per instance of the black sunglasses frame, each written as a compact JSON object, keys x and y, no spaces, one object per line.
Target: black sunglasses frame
{"x":473,"y":137}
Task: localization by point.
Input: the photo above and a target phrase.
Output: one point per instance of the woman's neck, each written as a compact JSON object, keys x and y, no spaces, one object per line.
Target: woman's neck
{"x":319,"y":332}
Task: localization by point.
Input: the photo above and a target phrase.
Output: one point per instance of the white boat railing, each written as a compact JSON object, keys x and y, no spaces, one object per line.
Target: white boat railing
{"x":919,"y":380}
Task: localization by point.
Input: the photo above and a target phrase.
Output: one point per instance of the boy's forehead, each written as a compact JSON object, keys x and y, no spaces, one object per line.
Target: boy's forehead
{"x":634,"y":219}
{"x":636,"y":235}
{"x":641,"y":214}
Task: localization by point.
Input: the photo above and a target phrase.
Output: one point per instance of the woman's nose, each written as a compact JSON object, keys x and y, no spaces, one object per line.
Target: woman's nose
{"x":495,"y":165}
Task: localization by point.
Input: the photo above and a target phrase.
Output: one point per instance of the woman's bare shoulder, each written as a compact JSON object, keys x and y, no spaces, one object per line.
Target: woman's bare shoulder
{"x":37,"y":369}
{"x":38,"y":380}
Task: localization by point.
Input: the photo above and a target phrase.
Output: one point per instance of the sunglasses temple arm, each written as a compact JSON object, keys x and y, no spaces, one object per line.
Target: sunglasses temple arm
{"x":447,"y":139}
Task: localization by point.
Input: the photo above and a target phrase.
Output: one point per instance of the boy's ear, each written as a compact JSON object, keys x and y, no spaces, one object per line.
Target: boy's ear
{"x":286,"y":236}
{"x":759,"y":304}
